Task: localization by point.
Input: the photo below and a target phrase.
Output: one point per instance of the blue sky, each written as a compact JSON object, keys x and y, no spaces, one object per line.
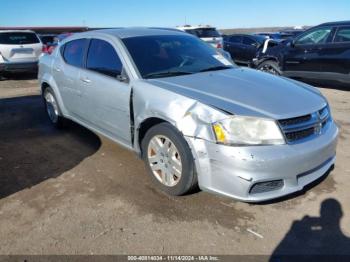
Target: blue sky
{"x":169,"y":13}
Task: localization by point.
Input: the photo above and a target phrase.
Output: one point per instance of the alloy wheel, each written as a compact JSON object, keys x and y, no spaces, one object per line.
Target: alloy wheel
{"x":51,"y":107}
{"x":164,"y":160}
{"x":269,"y":69}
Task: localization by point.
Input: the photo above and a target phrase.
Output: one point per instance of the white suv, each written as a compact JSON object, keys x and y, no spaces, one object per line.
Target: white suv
{"x":207,"y":33}
{"x":19,"y":51}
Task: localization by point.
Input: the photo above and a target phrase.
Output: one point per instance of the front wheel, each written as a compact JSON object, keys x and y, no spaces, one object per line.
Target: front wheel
{"x":169,"y":160}
{"x":270,"y":67}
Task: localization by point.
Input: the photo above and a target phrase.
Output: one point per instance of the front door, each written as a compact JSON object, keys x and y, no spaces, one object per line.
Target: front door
{"x":251,"y":47}
{"x":105,"y":102}
{"x":233,"y":45}
{"x":302,"y":57}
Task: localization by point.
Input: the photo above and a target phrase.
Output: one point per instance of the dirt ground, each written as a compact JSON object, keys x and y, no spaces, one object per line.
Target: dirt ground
{"x":73,"y":192}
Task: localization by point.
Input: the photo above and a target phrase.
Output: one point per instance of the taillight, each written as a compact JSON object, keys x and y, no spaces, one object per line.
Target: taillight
{"x":50,"y":49}
{"x":219,"y":45}
{"x":45,"y":49}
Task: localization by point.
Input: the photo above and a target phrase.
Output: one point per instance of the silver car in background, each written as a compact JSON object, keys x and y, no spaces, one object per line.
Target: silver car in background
{"x":19,"y":51}
{"x":195,"y":118}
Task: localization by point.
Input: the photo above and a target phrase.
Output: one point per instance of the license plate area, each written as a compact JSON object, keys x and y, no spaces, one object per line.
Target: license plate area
{"x":27,"y":51}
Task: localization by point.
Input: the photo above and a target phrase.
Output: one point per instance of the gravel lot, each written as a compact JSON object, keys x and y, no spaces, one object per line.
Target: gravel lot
{"x":73,"y":192}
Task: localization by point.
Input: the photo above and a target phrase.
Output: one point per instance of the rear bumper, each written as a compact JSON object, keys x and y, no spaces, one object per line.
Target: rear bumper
{"x":19,"y":67}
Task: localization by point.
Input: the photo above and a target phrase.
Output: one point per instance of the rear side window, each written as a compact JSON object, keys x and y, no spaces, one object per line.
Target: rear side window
{"x":73,"y":52}
{"x":18,"y":38}
{"x":236,"y":39}
{"x":343,"y":35}
{"x":103,"y":58}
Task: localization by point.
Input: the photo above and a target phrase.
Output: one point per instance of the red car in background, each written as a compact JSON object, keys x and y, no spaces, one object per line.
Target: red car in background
{"x":51,"y":41}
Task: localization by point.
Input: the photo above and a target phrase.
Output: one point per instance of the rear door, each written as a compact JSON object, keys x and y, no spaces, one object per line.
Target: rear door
{"x":302,"y":58}
{"x":66,"y":71}
{"x":105,"y":102}
{"x":20,"y":47}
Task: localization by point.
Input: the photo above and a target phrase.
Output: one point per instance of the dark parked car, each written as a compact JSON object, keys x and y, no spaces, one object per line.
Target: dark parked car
{"x":319,"y":55}
{"x":50,"y":47}
{"x":48,"y":41}
{"x":243,"y":48}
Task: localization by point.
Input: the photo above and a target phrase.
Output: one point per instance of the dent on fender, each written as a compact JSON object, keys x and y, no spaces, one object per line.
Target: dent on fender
{"x":197,"y":121}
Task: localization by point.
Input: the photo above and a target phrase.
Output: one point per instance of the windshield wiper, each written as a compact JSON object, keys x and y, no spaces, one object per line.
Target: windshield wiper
{"x":216,"y":68}
{"x":166,"y":74}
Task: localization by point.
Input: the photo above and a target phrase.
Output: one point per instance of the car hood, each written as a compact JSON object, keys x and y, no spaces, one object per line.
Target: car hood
{"x":247,"y":92}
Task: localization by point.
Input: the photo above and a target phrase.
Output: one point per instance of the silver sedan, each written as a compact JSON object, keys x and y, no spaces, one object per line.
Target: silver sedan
{"x":195,"y":118}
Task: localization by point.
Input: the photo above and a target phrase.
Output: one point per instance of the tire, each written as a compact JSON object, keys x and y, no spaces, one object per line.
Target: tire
{"x":52,"y":108}
{"x":171,"y":164}
{"x":271,"y":67}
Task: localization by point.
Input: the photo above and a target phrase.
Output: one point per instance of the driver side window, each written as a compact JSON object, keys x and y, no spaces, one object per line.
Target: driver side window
{"x":103,"y":58}
{"x":249,"y":41}
{"x":316,"y":36}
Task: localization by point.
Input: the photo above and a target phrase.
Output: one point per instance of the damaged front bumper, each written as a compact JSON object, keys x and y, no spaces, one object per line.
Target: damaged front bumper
{"x":261,"y":173}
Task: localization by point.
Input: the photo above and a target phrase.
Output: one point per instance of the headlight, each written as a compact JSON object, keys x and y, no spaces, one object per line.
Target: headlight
{"x":238,"y":130}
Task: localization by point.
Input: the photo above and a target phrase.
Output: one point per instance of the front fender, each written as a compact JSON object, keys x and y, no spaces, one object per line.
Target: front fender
{"x":190,"y":117}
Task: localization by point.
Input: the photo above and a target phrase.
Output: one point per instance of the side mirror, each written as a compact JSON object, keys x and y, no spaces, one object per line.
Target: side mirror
{"x":292,"y":43}
{"x":257,"y":45}
{"x":123,"y":78}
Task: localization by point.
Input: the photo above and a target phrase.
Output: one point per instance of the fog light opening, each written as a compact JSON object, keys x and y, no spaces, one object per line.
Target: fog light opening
{"x":268,"y":186}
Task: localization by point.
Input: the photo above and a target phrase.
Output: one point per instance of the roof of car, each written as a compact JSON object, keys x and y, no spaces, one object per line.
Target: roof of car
{"x":336,"y":23}
{"x":136,"y":31}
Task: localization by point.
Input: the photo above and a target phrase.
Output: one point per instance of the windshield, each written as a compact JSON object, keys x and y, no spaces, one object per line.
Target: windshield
{"x":18,"y":38}
{"x":171,"y":55}
{"x":204,"y":32}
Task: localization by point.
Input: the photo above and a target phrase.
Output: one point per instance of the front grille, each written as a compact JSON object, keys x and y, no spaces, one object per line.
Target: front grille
{"x":295,"y":120}
{"x":292,"y":136}
{"x":298,"y":128}
{"x":268,"y":186}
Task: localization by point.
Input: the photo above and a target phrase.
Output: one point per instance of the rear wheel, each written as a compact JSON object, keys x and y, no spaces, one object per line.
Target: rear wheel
{"x":270,"y":67}
{"x":169,"y":160}
{"x":52,"y":108}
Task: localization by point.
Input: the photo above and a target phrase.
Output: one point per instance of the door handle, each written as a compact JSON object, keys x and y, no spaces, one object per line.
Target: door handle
{"x":57,"y":69}
{"x":85,"y":80}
